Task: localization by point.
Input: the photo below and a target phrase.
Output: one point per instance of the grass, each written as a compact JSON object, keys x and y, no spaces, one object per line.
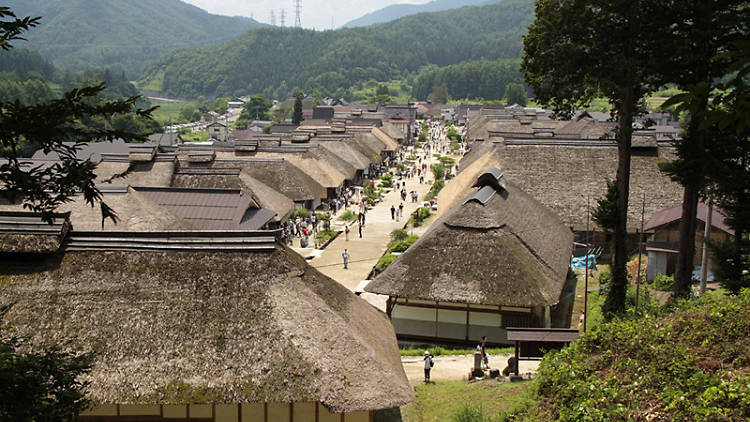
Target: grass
{"x":196,"y":137}
{"x":441,"y":400}
{"x":368,"y":91}
{"x":168,"y":111}
{"x":348,"y":216}
{"x":152,"y":84}
{"x":447,"y":351}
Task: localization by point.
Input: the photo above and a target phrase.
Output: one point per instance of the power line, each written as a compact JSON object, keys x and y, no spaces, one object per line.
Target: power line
{"x":283,"y":17}
{"x":273,"y":18}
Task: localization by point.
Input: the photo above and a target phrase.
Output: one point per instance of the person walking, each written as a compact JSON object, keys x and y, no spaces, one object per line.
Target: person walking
{"x":346,"y":232}
{"x":393,"y":212}
{"x":360,"y":230}
{"x":345,"y":255}
{"x":483,"y":350}
{"x":401,"y":208}
{"x":428,"y":364}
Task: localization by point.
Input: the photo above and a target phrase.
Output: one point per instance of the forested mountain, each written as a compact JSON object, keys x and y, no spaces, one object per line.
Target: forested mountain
{"x":123,"y":35}
{"x":485,"y":79}
{"x":274,"y":61}
{"x":397,"y":11}
{"x":24,"y":75}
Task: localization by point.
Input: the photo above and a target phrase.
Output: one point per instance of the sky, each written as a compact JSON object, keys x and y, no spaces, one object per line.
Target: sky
{"x":314,"y":13}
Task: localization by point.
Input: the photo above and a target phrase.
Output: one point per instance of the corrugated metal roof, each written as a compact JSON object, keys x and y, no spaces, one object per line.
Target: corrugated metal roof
{"x":210,"y":209}
{"x":674,"y":214}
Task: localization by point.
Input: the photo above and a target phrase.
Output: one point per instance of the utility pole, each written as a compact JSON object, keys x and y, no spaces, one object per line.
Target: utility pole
{"x":704,"y":257}
{"x":640,"y":255}
{"x":297,"y":14}
{"x":273,"y":18}
{"x":283,"y":17}
{"x":586,"y":278}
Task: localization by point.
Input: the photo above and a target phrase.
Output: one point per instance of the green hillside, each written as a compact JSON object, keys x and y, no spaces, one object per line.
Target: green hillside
{"x":123,"y":35}
{"x":689,"y":364}
{"x":274,"y":61}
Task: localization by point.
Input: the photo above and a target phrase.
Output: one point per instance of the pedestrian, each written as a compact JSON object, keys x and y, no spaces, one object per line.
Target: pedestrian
{"x":401,"y":207}
{"x":346,"y":233}
{"x":393,"y":212}
{"x":363,"y":219}
{"x":360,"y":230}
{"x":345,"y":255}
{"x":398,"y":215}
{"x":428,"y":364}
{"x":483,"y":350}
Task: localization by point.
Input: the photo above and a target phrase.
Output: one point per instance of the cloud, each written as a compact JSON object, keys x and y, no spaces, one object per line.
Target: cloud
{"x":314,"y":14}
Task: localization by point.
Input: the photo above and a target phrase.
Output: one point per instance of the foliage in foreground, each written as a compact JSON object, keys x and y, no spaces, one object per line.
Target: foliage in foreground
{"x":690,"y":364}
{"x":39,"y":386}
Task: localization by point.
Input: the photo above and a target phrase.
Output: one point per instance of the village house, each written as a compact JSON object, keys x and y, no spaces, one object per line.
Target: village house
{"x":211,"y":326}
{"x":497,"y":259}
{"x":218,"y":131}
{"x":663,"y":246}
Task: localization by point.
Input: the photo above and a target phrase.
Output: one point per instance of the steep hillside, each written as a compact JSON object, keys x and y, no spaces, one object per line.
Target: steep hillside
{"x":397,"y":11}
{"x":692,"y":364}
{"x":125,"y":35}
{"x":277,"y":60}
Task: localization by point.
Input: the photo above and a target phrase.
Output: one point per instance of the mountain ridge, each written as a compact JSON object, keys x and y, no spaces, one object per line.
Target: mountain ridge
{"x":124,"y":35}
{"x":400,"y":10}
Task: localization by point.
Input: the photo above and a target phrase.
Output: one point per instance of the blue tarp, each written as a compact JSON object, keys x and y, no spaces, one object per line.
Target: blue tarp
{"x":579,"y":262}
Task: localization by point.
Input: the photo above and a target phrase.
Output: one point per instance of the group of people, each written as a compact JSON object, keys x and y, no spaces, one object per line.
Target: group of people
{"x":299,"y":227}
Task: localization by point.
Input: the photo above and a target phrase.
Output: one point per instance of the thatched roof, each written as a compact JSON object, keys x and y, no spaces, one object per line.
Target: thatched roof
{"x":141,"y":174}
{"x":267,"y":197}
{"x":562,"y":174}
{"x":348,"y":169}
{"x":392,"y":131}
{"x":191,"y":328}
{"x":286,"y":178}
{"x":390,"y":142}
{"x":25,"y":232}
{"x":134,"y":211}
{"x":348,"y":153}
{"x":367,"y":144}
{"x":498,"y":247}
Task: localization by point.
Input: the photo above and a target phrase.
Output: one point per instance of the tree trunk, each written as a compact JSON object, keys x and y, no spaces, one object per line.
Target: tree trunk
{"x":615,"y":302}
{"x":684,"y":271}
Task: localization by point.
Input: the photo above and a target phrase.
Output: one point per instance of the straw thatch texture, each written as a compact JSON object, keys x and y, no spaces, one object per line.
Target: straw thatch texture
{"x":476,"y":163}
{"x":512,"y":251}
{"x":368,"y":144}
{"x":191,"y":328}
{"x":286,"y":178}
{"x":341,"y":165}
{"x":563,"y":177}
{"x":389,"y":141}
{"x":28,"y":243}
{"x":135,"y":213}
{"x":268,"y":198}
{"x":392,"y":131}
{"x":348,"y":153}
{"x":206,"y":181}
{"x":157,"y":174}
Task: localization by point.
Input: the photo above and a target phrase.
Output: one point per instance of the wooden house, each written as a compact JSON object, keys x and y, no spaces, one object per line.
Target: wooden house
{"x":498,"y":259}
{"x":200,"y":326}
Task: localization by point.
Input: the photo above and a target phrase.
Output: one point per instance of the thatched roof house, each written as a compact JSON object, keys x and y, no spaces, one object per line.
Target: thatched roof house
{"x":212,"y":335}
{"x":499,"y":258}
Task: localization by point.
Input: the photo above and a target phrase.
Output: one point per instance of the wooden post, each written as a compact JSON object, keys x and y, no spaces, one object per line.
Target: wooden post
{"x":436,"y":319}
{"x":468,"y":311}
{"x":518,"y":356}
{"x":586,"y":277}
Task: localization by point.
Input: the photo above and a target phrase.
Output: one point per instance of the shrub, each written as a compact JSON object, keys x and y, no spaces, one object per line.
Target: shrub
{"x":420,"y":215}
{"x":301,"y":213}
{"x":399,"y":235}
{"x":664,"y":283}
{"x":385,"y":261}
{"x":605,"y":276}
{"x":469,"y":413}
{"x":438,"y":171}
{"x":403,"y":245}
{"x":348,"y":215}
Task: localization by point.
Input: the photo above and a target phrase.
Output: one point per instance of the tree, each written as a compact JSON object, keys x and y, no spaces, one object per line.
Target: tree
{"x":189,"y":112}
{"x":440,"y":94}
{"x":40,"y":386}
{"x":57,"y":126}
{"x":254,"y":109}
{"x":382,"y":95}
{"x":297,"y":115}
{"x":515,"y":94}
{"x":576,"y":51}
{"x":700,"y":31}
{"x":722,"y":117}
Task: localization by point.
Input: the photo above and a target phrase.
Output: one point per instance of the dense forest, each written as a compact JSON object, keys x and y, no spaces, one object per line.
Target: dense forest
{"x":276,"y":61}
{"x":24,"y":75}
{"x":482,"y":79}
{"x":122,"y":35}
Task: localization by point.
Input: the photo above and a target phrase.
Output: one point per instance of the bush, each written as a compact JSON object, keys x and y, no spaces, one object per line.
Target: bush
{"x":469,"y":413}
{"x":348,"y":215}
{"x":324,"y":235}
{"x":664,"y":283}
{"x":605,"y":276}
{"x":420,"y":215}
{"x":325,"y":218}
{"x":402,"y":246}
{"x":399,"y":235}
{"x":438,"y":171}
{"x":690,"y":363}
{"x":301,"y":213}
{"x":385,"y":261}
